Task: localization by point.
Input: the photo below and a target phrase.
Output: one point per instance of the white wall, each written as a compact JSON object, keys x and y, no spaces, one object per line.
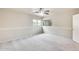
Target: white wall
{"x":62,"y":17}
{"x":14,"y":24}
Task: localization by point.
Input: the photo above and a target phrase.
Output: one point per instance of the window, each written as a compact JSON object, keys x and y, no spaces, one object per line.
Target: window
{"x":37,"y":22}
{"x":41,"y":22}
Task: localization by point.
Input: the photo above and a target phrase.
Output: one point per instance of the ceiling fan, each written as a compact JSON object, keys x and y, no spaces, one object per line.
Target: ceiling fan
{"x":41,"y":11}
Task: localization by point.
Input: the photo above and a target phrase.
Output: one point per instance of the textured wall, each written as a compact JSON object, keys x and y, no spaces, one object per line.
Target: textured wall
{"x":62,"y":17}
{"x":14,"y":24}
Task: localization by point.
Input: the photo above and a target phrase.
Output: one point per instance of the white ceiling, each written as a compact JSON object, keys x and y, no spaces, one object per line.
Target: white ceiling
{"x":52,"y":10}
{"x":26,"y":10}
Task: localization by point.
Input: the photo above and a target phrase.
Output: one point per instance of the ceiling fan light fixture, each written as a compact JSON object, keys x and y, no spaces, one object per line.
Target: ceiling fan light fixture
{"x":41,"y":11}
